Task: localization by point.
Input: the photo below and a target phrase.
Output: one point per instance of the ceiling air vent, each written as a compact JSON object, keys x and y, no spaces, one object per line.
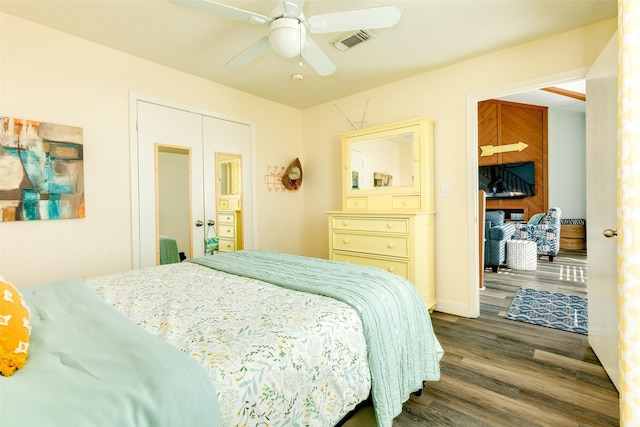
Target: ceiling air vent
{"x":353,"y":39}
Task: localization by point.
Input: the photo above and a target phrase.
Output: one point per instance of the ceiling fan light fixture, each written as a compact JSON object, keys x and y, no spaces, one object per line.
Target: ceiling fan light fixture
{"x":287,"y":37}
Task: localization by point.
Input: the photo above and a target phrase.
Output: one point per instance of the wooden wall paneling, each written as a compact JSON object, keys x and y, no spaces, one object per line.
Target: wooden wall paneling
{"x":487,"y":130}
{"x":503,"y":123}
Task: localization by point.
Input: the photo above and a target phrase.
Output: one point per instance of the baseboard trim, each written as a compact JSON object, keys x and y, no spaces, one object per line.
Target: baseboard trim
{"x":454,"y":308}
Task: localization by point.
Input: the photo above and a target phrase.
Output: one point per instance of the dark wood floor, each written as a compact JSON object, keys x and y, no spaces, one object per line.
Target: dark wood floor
{"x":498,"y":372}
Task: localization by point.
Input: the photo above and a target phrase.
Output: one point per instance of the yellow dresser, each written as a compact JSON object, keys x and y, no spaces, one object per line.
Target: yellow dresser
{"x":388,"y":241}
{"x":229,"y":231}
{"x":388,"y":212}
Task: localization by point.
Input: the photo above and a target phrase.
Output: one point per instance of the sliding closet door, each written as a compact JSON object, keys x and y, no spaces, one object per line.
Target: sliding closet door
{"x":159,"y":128}
{"x":228,"y":136}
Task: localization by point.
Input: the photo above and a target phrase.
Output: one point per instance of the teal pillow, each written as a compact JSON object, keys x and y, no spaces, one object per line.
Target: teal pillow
{"x":494,"y":217}
{"x":535,"y":219}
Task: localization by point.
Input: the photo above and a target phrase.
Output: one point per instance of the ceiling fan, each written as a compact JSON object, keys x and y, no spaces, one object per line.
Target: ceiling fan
{"x":288,"y":29}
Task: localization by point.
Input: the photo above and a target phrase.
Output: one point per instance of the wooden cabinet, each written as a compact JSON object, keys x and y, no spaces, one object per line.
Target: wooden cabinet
{"x":388,"y":222}
{"x":229,"y":231}
{"x":401,"y":243}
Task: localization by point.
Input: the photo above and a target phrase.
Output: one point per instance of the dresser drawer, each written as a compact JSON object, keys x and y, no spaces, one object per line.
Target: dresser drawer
{"x":226,"y":218}
{"x":405,"y":202}
{"x":356,"y":202}
{"x":388,"y":225}
{"x":399,"y":267}
{"x":226,"y":245}
{"x":397,"y":246}
{"x":228,"y":231}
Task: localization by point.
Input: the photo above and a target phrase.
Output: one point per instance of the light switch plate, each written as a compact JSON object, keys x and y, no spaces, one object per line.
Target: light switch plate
{"x":446,"y":191}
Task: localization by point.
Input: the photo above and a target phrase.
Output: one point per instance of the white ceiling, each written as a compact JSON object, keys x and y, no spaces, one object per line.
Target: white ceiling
{"x":430,"y":34}
{"x":552,"y":100}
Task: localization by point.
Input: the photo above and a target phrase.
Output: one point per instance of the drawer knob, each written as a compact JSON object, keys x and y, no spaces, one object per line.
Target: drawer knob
{"x":345,"y":241}
{"x":228,"y":231}
{"x":390,"y":245}
{"x":391,"y":269}
{"x":389,"y":225}
{"x":345,"y":223}
{"x":405,"y":202}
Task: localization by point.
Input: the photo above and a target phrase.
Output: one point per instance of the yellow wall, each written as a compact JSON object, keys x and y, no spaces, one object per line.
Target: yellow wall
{"x":440,"y":95}
{"x":50,"y":76}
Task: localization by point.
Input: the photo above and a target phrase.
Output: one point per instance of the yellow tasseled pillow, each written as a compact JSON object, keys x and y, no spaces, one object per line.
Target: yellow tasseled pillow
{"x":14,"y":329}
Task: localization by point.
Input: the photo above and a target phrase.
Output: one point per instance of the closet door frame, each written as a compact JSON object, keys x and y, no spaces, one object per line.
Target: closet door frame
{"x":136,"y":216}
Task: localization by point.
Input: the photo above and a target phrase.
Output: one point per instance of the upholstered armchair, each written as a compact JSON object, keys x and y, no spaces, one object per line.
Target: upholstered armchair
{"x":496,"y":234}
{"x":544,"y":229}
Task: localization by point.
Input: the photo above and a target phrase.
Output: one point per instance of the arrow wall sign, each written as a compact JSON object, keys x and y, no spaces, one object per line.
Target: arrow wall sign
{"x":490,"y":150}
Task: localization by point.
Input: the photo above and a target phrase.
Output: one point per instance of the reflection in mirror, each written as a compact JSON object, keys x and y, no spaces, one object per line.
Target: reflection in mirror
{"x":173,"y":203}
{"x":229,"y":201}
{"x":382,"y":162}
{"x":229,"y":170}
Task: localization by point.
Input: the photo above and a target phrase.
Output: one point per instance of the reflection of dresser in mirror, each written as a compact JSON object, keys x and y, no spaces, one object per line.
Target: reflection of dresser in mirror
{"x":229,"y":199}
{"x":388,"y":213}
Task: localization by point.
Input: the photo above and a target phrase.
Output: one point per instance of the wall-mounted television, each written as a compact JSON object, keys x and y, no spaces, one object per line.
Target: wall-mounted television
{"x":507,"y":180}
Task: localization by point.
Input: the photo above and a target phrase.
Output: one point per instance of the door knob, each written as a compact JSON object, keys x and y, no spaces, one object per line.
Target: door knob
{"x":211,"y":223}
{"x":609,"y":233}
{"x":199,"y":223}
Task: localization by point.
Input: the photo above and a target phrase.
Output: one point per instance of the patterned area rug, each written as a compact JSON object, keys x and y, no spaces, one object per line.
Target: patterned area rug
{"x":550,"y":309}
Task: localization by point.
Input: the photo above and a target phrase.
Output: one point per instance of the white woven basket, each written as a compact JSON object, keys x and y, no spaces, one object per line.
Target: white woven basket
{"x":522,"y":255}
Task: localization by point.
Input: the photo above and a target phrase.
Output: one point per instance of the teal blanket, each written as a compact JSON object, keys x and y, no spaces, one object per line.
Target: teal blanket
{"x":403,"y":350}
{"x":89,"y":365}
{"x":168,"y":251}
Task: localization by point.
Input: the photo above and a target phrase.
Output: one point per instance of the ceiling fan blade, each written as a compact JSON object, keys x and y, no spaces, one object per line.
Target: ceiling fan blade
{"x":224,"y":10}
{"x":362,"y":19}
{"x":318,"y":59}
{"x":250,"y":53}
{"x":291,"y":8}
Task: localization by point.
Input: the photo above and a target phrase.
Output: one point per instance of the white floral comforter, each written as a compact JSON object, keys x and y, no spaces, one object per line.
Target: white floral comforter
{"x":277,"y":357}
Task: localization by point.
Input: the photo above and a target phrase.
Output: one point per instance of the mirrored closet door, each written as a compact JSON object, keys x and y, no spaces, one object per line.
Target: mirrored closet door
{"x":174,"y":183}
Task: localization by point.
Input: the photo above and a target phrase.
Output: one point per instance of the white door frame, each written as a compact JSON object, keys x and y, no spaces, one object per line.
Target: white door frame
{"x":472,"y":161}
{"x":134,"y":97}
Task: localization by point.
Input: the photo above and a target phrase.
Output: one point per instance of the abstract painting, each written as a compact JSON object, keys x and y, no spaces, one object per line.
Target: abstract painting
{"x":41,"y":171}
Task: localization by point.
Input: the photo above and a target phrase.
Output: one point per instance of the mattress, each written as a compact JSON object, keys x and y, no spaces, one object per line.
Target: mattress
{"x":273,"y":354}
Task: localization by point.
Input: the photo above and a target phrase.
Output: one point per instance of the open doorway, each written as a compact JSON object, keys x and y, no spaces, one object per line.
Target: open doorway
{"x":552,"y":123}
{"x":522,"y":92}
{"x":602,"y":206}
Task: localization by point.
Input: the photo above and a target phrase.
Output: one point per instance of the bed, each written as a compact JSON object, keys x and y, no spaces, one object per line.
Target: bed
{"x":242,"y":338}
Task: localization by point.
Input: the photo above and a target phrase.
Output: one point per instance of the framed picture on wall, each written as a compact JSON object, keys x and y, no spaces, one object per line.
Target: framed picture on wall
{"x":42,"y":171}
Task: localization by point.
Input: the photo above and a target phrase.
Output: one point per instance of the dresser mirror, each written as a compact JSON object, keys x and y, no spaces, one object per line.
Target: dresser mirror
{"x":381,"y":163}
